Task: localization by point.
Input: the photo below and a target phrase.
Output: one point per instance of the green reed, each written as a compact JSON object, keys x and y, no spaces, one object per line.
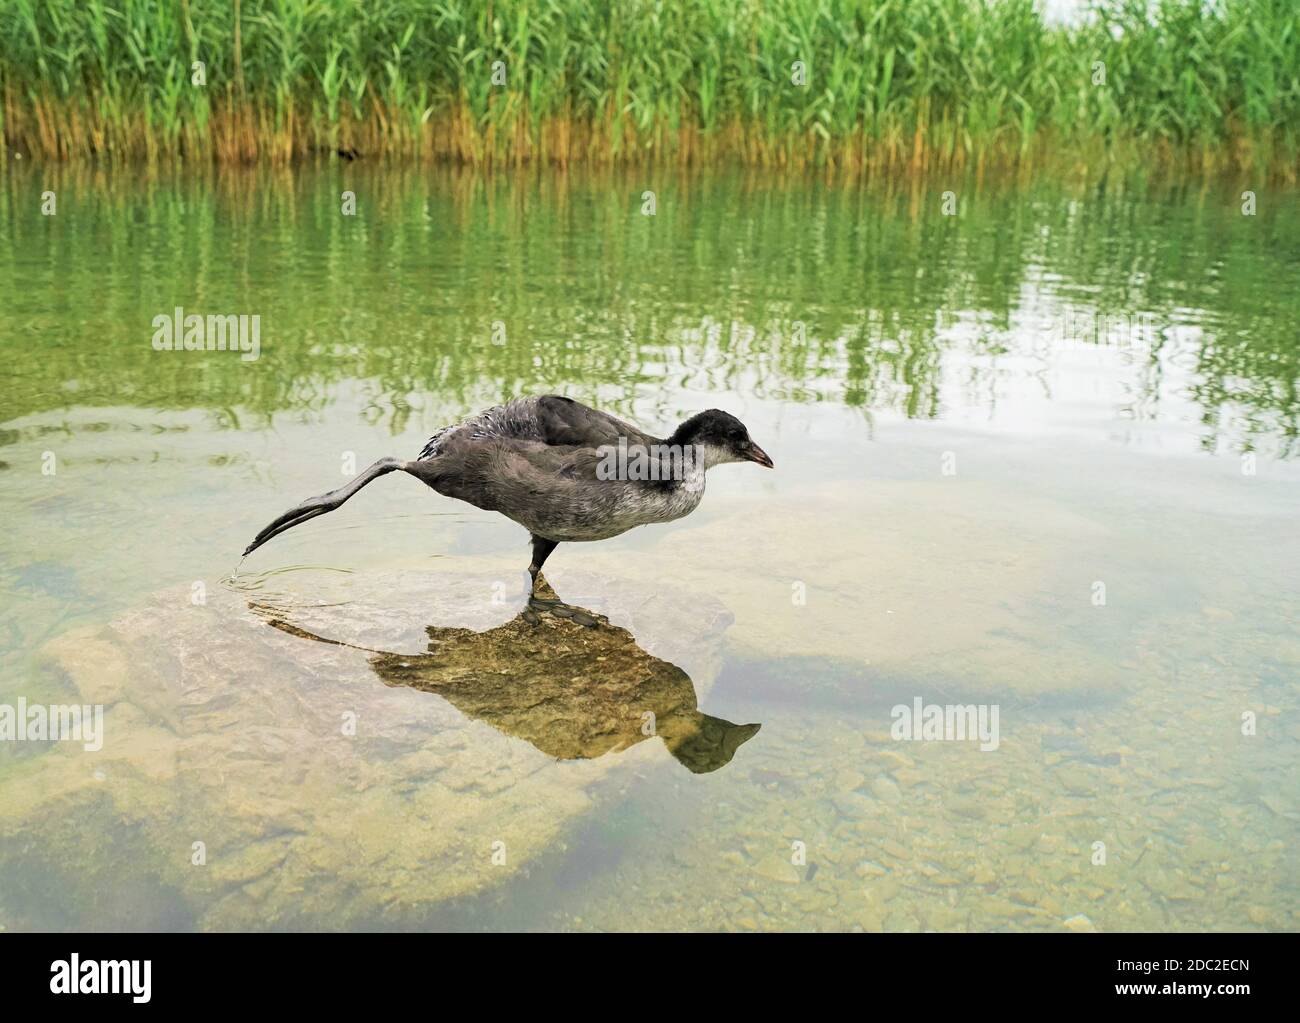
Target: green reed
{"x":916,"y":84}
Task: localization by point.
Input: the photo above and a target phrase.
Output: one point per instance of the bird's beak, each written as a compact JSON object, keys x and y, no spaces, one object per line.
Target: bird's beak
{"x":756,"y":454}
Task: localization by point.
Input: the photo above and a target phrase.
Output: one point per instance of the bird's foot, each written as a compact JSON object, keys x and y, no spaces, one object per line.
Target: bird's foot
{"x":538,"y":606}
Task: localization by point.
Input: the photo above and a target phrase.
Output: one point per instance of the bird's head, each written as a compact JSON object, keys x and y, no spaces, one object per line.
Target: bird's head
{"x":721,"y":437}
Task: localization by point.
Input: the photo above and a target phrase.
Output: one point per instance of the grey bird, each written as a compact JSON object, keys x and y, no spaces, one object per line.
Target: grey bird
{"x":563,"y":471}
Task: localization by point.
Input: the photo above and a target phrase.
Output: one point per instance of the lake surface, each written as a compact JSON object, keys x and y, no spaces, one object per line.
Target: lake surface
{"x":1038,"y":456}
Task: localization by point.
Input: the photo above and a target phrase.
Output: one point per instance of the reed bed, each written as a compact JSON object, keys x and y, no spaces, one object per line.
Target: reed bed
{"x":887,"y":84}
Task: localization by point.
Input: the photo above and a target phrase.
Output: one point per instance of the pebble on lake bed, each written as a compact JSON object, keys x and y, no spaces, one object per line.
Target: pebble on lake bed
{"x":777,"y":867}
{"x":886,"y":790}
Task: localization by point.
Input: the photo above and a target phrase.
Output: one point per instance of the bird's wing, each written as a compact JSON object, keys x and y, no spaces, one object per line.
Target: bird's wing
{"x":563,"y":422}
{"x":551,"y":420}
{"x":508,"y":474}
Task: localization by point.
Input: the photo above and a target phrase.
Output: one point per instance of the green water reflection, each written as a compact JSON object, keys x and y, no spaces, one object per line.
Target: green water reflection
{"x":791,"y":291}
{"x":977,"y":420}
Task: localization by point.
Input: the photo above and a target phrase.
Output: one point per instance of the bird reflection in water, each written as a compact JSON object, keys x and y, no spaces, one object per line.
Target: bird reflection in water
{"x":573,"y":691}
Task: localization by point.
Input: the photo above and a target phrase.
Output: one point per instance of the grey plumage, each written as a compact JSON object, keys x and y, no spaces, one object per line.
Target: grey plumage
{"x":538,"y":461}
{"x":535,"y":460}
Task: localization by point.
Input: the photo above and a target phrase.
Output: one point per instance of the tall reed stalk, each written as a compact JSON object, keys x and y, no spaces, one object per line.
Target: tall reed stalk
{"x":896,"y":84}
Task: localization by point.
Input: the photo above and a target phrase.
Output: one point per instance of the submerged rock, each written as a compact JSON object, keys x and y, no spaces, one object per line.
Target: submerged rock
{"x":272,"y":766}
{"x":885,"y":789}
{"x":777,"y":867}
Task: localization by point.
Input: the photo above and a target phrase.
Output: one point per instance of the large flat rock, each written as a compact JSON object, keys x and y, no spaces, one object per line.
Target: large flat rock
{"x":353,"y":763}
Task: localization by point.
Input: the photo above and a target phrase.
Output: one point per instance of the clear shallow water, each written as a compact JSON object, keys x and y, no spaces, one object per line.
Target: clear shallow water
{"x":964,"y":451}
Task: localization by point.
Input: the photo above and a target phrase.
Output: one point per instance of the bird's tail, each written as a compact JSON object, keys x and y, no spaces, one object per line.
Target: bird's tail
{"x":314,"y":506}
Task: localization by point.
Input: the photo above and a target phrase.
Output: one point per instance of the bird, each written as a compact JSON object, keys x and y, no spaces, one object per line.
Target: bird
{"x":562,"y":470}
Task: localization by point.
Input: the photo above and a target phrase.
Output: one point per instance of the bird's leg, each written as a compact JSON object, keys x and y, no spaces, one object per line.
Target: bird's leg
{"x":544,"y":605}
{"x":541,"y":551}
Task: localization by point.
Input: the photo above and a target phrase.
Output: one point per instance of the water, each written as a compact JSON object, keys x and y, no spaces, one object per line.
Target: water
{"x":1038,"y":456}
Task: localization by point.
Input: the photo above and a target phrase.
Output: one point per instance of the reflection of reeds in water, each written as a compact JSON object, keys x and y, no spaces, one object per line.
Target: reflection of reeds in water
{"x":900,"y":84}
{"x":607,"y":304}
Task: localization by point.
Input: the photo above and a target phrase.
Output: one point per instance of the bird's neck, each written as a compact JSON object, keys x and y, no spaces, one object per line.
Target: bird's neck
{"x":682,"y":465}
{"x":708,"y":454}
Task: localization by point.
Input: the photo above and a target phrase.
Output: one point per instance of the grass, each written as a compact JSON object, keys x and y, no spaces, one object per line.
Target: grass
{"x":910,"y":84}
